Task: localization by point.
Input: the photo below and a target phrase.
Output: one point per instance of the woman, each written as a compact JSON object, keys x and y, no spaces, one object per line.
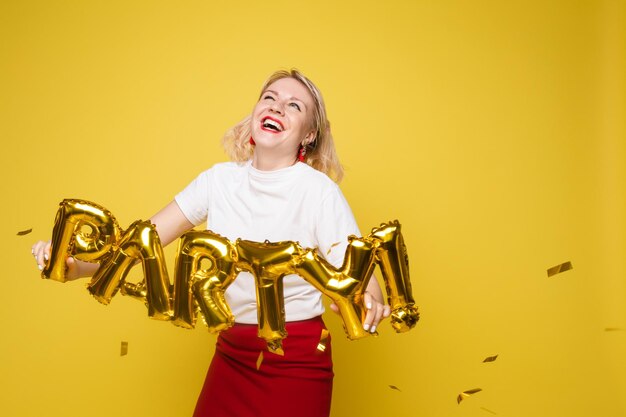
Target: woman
{"x":277,"y":188}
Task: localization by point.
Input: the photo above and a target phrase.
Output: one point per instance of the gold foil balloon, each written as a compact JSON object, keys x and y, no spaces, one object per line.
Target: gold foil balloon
{"x":269,"y":263}
{"x":346,"y":285}
{"x":206,"y":264}
{"x":195,"y":286}
{"x":140,"y":242}
{"x":394,"y":263}
{"x":83,"y":230}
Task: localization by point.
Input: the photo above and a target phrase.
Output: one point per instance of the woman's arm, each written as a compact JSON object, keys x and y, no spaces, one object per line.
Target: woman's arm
{"x":170,"y":223}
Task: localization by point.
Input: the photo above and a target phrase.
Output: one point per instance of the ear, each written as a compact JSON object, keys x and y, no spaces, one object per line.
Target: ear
{"x":310,"y":137}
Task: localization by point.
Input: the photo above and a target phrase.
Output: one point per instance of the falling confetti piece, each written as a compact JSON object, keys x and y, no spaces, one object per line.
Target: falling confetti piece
{"x":124,"y":349}
{"x":487,"y":410}
{"x":259,"y":361}
{"x":24,"y":232}
{"x":331,"y":247}
{"x":321,"y":346}
{"x":466,"y":394}
{"x":613,"y":329}
{"x":560,"y":268}
{"x":490,"y":359}
{"x":394,"y":387}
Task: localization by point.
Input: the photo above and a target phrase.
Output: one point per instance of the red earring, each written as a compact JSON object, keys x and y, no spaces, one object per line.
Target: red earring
{"x":252,"y":142}
{"x":302,"y":153}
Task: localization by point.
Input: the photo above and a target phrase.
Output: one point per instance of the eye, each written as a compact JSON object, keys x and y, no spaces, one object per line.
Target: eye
{"x":295,"y":106}
{"x":268,"y":97}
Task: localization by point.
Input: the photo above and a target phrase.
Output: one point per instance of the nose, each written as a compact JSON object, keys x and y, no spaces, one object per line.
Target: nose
{"x":277,"y":107}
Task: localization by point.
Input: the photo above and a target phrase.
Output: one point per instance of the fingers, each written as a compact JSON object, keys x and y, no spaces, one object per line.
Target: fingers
{"x":375,"y":312}
{"x":36,"y":251}
{"x":334,"y":307}
{"x":41,"y":253}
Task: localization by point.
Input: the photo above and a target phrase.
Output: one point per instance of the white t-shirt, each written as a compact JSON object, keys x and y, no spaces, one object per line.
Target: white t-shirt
{"x":297,"y":203}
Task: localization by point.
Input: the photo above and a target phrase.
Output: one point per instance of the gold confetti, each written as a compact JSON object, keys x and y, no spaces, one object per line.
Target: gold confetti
{"x":487,"y":410}
{"x":259,"y":361}
{"x":394,"y":387}
{"x":466,"y":394}
{"x":613,"y":329}
{"x":24,"y":232}
{"x":490,"y":359}
{"x":331,"y":247}
{"x":560,"y":268}
{"x":321,"y":346}
{"x":124,"y":349}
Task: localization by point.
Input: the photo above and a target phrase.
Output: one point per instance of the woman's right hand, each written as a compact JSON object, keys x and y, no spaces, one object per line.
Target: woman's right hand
{"x":41,"y":252}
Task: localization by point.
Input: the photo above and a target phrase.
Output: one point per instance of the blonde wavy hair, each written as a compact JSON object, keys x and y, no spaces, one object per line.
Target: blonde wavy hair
{"x":320,"y":153}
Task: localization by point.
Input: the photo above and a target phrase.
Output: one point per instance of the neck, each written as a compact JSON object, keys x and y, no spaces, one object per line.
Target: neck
{"x":264,"y":162}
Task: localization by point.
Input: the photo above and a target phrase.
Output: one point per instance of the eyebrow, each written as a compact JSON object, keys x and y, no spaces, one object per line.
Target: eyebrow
{"x":290,"y":98}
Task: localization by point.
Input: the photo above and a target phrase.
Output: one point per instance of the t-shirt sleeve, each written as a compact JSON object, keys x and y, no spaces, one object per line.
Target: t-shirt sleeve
{"x":335,"y":223}
{"x":194,"y":199}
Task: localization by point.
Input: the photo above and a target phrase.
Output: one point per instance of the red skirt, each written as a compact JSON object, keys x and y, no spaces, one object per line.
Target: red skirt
{"x":298,"y":384}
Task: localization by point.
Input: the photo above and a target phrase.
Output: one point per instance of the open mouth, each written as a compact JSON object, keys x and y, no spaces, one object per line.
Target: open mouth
{"x":272,"y":125}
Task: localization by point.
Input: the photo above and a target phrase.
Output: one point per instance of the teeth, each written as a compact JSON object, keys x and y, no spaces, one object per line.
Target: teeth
{"x":272,"y":124}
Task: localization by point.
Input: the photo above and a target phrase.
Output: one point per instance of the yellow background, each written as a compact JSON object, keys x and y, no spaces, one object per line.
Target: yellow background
{"x":494,"y":131}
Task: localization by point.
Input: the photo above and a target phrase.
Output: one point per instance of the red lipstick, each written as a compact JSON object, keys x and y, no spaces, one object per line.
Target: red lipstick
{"x":272,"y":125}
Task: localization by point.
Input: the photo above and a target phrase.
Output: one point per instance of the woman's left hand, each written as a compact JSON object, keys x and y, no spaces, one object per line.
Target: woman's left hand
{"x":374,"y":303}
